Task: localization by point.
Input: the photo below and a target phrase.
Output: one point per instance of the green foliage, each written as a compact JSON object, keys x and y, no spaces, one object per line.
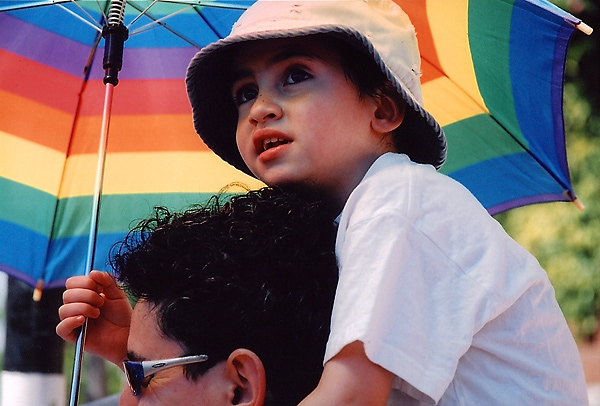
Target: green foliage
{"x":566,"y":240}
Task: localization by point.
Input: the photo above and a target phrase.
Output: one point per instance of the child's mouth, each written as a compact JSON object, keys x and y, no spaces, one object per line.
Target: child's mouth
{"x":273,"y":142}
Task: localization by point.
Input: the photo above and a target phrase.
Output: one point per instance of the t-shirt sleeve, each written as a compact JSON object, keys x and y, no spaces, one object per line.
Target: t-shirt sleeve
{"x":403,"y":296}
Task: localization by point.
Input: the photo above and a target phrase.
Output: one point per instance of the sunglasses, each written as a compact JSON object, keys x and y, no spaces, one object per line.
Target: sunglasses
{"x":138,"y":373}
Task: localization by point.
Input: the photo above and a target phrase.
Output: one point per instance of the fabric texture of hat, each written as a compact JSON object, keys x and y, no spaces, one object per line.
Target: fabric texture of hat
{"x":379,"y":27}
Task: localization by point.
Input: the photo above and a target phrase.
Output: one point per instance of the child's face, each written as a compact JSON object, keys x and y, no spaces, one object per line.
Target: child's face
{"x":300,"y":120}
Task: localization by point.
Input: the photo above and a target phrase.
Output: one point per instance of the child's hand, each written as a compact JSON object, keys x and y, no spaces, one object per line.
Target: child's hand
{"x":97,"y":298}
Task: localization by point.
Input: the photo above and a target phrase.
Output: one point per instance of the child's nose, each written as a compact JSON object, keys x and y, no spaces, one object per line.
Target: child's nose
{"x":265,"y":108}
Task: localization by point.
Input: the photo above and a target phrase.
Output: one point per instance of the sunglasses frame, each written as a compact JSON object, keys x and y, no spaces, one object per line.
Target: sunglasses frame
{"x":137,"y":371}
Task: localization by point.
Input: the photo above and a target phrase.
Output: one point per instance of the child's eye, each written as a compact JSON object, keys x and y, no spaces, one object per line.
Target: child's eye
{"x":244,"y":94}
{"x":295,"y":76}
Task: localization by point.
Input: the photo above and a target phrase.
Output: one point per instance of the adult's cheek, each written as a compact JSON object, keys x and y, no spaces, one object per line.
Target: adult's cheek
{"x":127,"y":398}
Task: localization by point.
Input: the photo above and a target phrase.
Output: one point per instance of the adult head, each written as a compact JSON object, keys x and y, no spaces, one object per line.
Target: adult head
{"x":248,"y":283}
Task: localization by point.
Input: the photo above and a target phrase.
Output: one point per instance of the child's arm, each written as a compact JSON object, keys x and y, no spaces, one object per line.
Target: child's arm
{"x":350,"y":378}
{"x":98,"y":298}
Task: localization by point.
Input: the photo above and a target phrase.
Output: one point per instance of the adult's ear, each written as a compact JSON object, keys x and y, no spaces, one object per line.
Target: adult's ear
{"x":389,"y":111}
{"x":247,"y":372}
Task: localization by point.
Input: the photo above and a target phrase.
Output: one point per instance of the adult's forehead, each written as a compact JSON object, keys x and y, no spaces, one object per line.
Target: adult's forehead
{"x":146,"y":341}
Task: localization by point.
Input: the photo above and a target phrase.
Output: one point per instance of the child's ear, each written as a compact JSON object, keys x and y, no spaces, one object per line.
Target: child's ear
{"x":247,"y":373}
{"x":388,"y":114}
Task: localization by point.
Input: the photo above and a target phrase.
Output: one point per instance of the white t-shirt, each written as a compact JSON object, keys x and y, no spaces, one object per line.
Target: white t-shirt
{"x":442,"y":297}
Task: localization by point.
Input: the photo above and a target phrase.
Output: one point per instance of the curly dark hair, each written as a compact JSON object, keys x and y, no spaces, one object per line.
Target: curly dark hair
{"x":255,"y":271}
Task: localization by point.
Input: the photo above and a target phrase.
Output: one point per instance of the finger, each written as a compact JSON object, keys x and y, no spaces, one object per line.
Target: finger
{"x":68,"y":329}
{"x":83,"y":282}
{"x":79,"y":295}
{"x":78,"y":309}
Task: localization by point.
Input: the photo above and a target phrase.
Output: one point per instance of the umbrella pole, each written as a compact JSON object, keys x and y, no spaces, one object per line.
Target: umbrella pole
{"x":115,"y":34}
{"x":79,"y":347}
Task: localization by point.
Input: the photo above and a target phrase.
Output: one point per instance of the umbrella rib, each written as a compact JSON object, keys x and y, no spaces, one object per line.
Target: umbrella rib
{"x":204,"y":3}
{"x":42,"y":3}
{"x":212,"y":28}
{"x":160,"y":22}
{"x":31,"y":4}
{"x":535,"y":158}
{"x":80,"y":18}
{"x":83,"y":10}
{"x":102,"y":10}
{"x":155,"y":21}
{"x":142,"y":13}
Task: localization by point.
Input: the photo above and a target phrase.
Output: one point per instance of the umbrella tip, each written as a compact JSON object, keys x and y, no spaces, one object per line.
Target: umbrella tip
{"x":37,"y":292}
{"x":583,"y":27}
{"x":578,"y":204}
{"x":573,"y":199}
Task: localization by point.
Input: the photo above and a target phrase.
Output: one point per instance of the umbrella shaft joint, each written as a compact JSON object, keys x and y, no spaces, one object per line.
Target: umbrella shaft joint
{"x":114,"y":37}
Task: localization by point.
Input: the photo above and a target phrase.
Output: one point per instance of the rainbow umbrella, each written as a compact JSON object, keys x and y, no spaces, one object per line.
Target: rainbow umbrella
{"x":52,"y":101}
{"x":493,"y":78}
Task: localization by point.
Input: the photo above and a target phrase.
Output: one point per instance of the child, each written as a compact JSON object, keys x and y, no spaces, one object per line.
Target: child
{"x":435,"y":303}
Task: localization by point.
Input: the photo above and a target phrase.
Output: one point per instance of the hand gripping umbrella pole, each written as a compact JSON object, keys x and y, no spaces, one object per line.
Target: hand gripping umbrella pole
{"x":115,"y":34}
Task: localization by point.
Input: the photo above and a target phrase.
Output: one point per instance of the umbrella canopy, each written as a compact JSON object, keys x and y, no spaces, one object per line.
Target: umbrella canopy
{"x":492,"y":76}
{"x":51,"y":98}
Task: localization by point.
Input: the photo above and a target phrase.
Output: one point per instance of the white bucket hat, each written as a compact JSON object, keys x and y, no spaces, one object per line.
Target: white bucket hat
{"x":379,"y":27}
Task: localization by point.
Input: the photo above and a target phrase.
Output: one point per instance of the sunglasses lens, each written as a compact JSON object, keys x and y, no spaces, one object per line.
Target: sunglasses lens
{"x":135,"y":375}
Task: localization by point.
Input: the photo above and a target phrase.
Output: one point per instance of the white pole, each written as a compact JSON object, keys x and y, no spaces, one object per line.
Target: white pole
{"x":33,"y":389}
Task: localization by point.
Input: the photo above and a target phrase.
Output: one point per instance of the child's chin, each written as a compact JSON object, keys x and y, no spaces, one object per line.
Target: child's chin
{"x":302,"y":187}
{"x":277,"y":176}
